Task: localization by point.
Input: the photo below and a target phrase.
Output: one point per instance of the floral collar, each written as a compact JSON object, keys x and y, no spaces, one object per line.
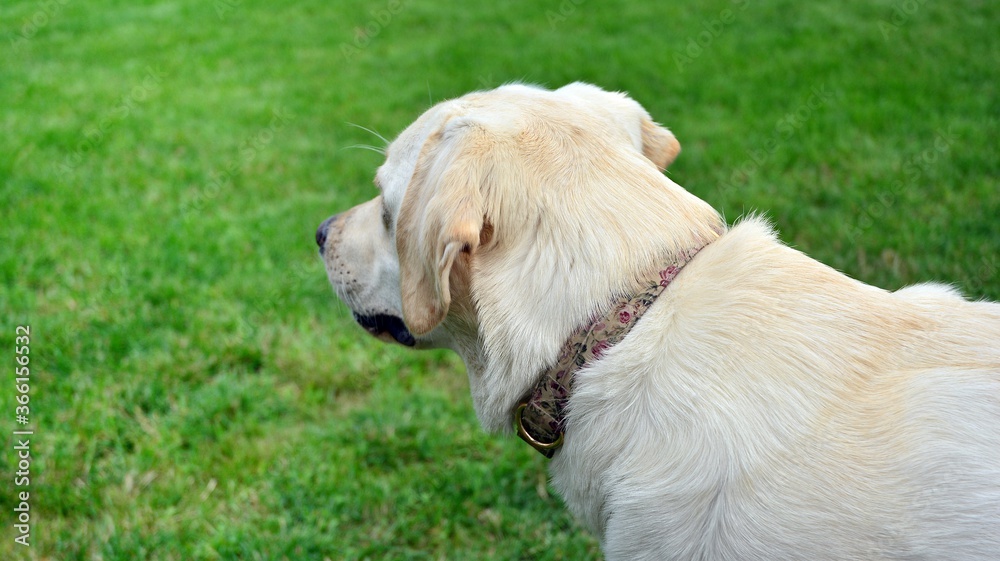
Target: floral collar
{"x":540,"y":418}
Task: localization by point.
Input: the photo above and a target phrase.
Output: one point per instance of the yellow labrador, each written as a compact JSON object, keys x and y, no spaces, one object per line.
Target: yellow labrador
{"x":704,"y":392}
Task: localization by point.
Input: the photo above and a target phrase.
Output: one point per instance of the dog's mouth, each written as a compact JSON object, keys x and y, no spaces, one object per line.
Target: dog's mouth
{"x":381,"y":324}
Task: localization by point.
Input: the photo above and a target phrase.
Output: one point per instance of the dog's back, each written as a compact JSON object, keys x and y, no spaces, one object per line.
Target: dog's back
{"x":788,"y":404}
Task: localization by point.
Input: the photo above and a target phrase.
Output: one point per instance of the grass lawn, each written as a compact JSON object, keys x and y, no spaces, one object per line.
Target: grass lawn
{"x":196,"y":392}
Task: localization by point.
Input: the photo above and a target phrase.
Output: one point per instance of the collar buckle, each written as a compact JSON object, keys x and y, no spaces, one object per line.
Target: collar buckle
{"x":547,"y":449}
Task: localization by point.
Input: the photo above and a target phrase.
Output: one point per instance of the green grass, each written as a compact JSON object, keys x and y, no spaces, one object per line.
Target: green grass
{"x":196,"y":390}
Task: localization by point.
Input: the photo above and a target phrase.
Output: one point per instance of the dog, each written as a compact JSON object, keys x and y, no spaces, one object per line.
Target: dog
{"x":704,"y":391}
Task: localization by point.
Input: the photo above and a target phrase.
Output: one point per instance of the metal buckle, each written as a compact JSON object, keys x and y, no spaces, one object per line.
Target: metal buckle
{"x":547,"y":449}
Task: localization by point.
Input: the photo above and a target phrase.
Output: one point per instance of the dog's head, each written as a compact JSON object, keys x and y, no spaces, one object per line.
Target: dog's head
{"x":506,"y":217}
{"x":392,"y":259}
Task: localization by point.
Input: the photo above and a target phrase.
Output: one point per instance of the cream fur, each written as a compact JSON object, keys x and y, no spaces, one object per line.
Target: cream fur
{"x":766,"y":407}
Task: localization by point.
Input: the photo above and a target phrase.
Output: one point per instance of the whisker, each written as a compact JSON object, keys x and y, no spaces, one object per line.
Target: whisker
{"x":366,"y":147}
{"x":382,"y":138}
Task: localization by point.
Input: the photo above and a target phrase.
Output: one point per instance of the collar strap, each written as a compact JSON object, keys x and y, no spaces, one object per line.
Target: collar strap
{"x":540,"y":418}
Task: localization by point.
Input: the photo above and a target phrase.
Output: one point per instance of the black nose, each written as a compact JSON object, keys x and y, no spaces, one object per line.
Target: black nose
{"x":321,"y":232}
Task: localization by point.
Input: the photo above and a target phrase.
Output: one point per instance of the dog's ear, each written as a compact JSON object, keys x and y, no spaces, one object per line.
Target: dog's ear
{"x":658,"y":144}
{"x":440,"y":219}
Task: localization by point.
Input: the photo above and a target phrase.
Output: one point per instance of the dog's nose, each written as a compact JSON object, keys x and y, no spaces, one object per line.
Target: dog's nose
{"x":321,"y":232}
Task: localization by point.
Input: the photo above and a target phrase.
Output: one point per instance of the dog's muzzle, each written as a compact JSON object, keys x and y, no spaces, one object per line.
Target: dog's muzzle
{"x":383,"y":323}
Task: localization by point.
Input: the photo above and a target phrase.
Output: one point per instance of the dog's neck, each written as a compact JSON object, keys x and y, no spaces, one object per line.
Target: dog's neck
{"x":540,"y":418}
{"x":466,"y":339}
{"x":530,"y":289}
